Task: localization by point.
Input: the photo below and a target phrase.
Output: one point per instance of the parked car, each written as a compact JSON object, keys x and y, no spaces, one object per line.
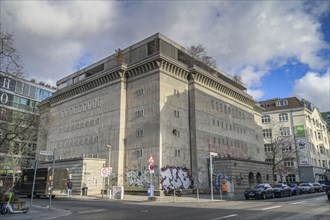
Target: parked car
{"x":281,"y":190}
{"x":322,"y":183}
{"x":318,"y":187}
{"x":323,"y":186}
{"x":295,"y":190}
{"x":259,"y":191}
{"x":306,"y":188}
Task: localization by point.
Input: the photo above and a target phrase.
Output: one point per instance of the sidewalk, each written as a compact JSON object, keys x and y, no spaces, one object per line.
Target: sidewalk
{"x":38,"y":212}
{"x":142,"y":198}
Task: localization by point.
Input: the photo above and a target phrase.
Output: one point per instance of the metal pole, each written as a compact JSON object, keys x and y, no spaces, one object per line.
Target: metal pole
{"x":197,"y":195}
{"x":52,"y":182}
{"x":103,"y":180}
{"x":211,"y":174}
{"x":109,"y":146}
{"x":34,"y":181}
{"x":103,"y":186}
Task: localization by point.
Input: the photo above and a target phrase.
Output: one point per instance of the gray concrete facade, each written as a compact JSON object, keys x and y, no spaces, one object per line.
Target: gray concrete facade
{"x":147,"y":101}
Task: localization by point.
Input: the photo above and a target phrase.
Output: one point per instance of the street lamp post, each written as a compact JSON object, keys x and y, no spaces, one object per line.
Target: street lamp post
{"x":211,"y":173}
{"x":108,"y":191}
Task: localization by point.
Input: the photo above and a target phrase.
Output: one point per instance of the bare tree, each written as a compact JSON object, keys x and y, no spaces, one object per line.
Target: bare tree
{"x":279,"y":148}
{"x":198,"y":54}
{"x":18,"y":137}
{"x":10,"y":61}
{"x":237,"y":79}
{"x":17,"y":127}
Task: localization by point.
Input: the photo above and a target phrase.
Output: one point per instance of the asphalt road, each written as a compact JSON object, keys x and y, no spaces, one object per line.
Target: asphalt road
{"x":305,"y":207}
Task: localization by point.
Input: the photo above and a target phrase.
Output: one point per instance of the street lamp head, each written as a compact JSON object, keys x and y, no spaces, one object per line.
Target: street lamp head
{"x":213,"y":154}
{"x":108,"y":145}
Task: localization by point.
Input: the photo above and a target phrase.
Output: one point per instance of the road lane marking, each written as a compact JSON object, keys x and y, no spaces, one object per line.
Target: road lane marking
{"x":90,"y":211}
{"x":295,"y":203}
{"x":223,"y":217}
{"x":273,"y":207}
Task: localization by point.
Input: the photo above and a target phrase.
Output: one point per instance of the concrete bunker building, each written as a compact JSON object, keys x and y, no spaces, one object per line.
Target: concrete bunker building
{"x":153,"y":99}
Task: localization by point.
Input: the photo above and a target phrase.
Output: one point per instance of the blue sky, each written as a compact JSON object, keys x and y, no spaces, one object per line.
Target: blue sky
{"x":279,"y":48}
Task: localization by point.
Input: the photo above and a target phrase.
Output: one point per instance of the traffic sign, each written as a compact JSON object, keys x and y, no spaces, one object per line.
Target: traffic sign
{"x":46,"y":152}
{"x":151,"y":168}
{"x":104,"y":171}
{"x":151,"y":160}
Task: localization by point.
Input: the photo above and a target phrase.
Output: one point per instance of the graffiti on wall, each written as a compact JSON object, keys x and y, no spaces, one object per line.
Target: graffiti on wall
{"x":203,"y":179}
{"x":138,"y":178}
{"x":177,"y":177}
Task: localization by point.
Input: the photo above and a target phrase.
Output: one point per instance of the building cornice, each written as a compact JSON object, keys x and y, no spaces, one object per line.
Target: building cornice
{"x":147,"y":65}
{"x":157,"y":61}
{"x":90,"y":83}
{"x":205,"y":79}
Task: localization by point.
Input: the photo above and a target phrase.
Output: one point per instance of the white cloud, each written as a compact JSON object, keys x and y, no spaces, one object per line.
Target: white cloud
{"x":256,"y":94}
{"x":51,"y":36}
{"x":245,"y":38}
{"x":252,"y":77}
{"x":68,"y":19}
{"x":314,"y":88}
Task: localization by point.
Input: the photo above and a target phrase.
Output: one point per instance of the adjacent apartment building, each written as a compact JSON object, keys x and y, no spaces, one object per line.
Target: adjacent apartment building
{"x":19,"y":118}
{"x":295,"y":131}
{"x":154,"y":104}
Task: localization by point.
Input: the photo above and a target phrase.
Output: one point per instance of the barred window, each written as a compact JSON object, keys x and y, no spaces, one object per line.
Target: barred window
{"x":139,"y":153}
{"x":99,"y":103}
{"x":176,"y":114}
{"x":140,"y":113}
{"x":139,"y":133}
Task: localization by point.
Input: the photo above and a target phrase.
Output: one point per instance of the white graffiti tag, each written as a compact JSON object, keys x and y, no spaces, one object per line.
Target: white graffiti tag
{"x":138,"y":178}
{"x":177,"y":177}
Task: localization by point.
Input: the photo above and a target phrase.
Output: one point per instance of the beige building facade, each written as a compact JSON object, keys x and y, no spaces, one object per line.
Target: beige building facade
{"x":301,"y":122}
{"x":146,"y":101}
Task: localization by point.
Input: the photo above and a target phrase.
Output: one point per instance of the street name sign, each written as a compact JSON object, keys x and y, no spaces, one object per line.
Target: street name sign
{"x":47,"y":153}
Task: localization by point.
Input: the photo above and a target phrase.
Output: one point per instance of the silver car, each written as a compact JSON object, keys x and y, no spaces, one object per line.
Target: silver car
{"x":306,"y":188}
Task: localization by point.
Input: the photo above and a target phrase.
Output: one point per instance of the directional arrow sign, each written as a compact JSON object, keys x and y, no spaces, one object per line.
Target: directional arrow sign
{"x":45,"y":152}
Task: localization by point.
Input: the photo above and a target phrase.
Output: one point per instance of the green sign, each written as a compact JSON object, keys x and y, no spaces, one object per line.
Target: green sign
{"x":300,"y":131}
